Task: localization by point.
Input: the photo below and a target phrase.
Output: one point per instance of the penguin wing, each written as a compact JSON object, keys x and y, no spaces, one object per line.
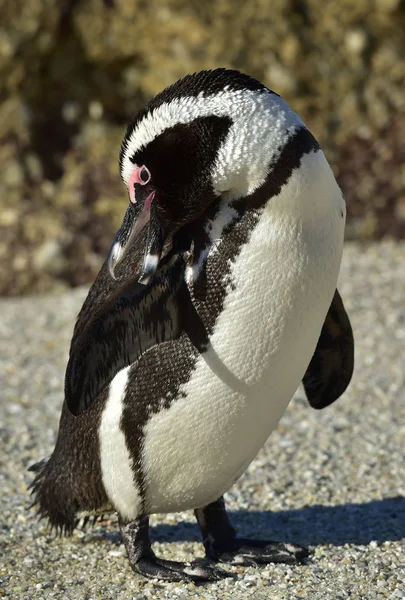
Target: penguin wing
{"x":125,"y":327}
{"x":331,"y":366}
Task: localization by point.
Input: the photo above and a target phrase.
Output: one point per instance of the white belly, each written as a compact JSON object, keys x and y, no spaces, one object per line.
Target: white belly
{"x":260,"y":348}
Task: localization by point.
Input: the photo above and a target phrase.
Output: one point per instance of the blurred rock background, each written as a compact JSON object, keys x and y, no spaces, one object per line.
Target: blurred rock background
{"x":73,"y":72}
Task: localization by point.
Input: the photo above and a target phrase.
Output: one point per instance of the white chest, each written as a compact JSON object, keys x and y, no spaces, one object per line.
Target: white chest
{"x":261,"y":345}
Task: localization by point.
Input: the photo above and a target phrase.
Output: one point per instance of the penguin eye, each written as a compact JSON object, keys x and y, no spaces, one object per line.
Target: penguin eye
{"x":144,"y":175}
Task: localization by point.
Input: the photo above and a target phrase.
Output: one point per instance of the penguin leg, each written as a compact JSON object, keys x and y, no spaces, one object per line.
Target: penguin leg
{"x":143,"y":560}
{"x":221,"y":543}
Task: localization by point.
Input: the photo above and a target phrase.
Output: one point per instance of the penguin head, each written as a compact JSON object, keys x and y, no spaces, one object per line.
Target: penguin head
{"x":210,"y":136}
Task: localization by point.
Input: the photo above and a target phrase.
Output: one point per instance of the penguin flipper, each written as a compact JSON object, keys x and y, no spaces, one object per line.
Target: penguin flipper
{"x":331,"y":367}
{"x":137,"y":319}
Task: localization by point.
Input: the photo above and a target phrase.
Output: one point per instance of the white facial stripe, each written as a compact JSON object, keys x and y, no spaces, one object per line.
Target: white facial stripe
{"x":262,"y":124}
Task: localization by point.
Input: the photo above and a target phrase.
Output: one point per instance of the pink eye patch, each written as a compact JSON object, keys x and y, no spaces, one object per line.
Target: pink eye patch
{"x":140,"y":176}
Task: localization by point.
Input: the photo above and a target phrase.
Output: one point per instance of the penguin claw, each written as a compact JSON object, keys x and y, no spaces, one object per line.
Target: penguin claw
{"x":196,"y":571}
{"x":258,"y":552}
{"x":205,"y":570}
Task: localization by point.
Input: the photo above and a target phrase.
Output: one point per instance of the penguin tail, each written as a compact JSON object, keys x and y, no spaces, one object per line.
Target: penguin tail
{"x":49,"y":497}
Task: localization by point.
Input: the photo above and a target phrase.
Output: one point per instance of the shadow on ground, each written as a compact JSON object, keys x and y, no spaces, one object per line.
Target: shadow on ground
{"x":379,"y":520}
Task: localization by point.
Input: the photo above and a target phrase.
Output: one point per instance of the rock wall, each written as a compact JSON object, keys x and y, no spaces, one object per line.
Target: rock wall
{"x":73,"y":72}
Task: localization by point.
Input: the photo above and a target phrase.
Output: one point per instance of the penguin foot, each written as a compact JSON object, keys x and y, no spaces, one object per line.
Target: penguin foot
{"x":197,"y":571}
{"x":222,"y":545}
{"x":135,"y":535}
{"x":240,"y":551}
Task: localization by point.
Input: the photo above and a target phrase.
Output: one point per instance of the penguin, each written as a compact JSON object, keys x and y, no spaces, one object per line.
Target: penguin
{"x":216,"y":301}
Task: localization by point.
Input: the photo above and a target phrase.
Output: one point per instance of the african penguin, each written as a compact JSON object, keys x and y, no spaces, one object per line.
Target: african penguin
{"x":217,"y":299}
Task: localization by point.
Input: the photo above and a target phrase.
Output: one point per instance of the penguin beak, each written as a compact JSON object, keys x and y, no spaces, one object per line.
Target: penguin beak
{"x":135,"y":220}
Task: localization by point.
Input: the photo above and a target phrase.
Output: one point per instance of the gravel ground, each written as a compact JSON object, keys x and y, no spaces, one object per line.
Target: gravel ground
{"x":333,"y":480}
